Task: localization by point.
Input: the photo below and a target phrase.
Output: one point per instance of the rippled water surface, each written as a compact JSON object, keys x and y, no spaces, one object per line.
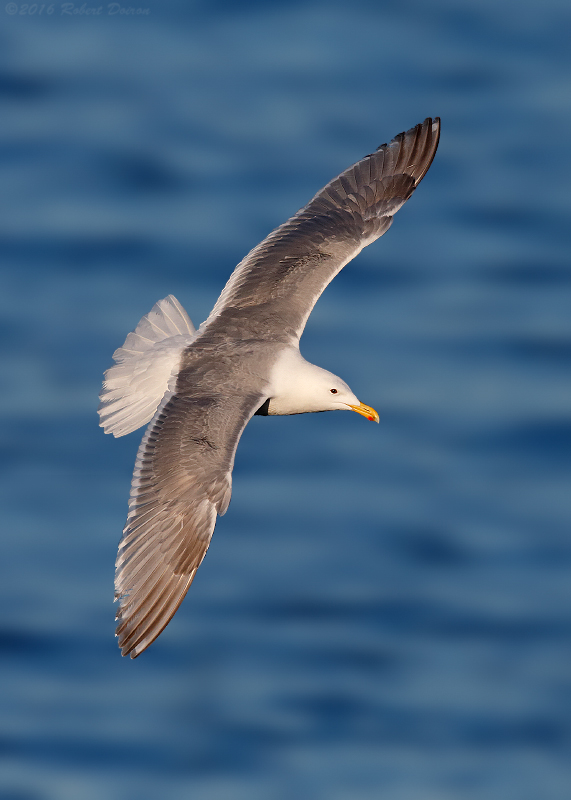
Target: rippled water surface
{"x":385,"y":610}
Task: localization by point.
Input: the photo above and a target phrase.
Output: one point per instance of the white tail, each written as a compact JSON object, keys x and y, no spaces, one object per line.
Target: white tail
{"x":149,"y":359}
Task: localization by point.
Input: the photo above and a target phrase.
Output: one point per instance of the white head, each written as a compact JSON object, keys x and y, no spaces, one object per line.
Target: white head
{"x":299,"y":387}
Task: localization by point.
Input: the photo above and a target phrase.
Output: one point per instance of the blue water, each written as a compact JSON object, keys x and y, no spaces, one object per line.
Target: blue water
{"x":385,"y":611}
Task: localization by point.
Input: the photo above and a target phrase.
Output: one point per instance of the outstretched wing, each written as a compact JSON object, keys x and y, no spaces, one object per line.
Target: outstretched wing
{"x":275,"y":287}
{"x":182,"y":479}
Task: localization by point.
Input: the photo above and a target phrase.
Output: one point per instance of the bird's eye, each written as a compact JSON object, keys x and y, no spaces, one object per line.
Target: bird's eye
{"x":333,"y":391}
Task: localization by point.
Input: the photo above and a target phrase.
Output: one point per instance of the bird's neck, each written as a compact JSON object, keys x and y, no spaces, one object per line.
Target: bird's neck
{"x":291,"y":381}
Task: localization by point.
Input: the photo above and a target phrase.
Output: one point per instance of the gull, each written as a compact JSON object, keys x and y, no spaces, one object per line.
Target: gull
{"x":198,"y":389}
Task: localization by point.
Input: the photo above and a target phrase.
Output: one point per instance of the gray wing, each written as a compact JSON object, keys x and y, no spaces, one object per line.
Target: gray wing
{"x":275,"y":287}
{"x":182,"y":479}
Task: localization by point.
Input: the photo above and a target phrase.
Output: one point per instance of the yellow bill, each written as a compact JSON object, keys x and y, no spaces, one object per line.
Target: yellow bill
{"x":366,"y":411}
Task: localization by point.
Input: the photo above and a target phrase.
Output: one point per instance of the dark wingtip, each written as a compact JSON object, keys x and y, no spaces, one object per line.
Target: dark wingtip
{"x":430,"y":129}
{"x":425,"y":136}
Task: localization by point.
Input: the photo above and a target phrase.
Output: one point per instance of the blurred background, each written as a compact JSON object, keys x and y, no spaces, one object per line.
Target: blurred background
{"x":385,"y":610}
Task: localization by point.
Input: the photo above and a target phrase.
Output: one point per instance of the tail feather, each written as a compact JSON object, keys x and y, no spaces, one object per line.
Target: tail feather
{"x":149,"y":358}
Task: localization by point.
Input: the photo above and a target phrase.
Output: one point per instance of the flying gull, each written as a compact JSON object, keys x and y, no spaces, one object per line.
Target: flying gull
{"x":198,"y":389}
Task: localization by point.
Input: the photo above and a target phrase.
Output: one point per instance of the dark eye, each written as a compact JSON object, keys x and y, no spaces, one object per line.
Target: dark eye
{"x":333,"y":391}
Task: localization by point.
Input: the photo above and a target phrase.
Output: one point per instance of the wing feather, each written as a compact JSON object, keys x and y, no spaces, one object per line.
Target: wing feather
{"x":182,"y":480}
{"x":276,"y":286}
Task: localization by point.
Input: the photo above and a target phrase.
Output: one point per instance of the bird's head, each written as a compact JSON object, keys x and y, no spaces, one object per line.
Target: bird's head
{"x":331,"y":393}
{"x":301,"y":387}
